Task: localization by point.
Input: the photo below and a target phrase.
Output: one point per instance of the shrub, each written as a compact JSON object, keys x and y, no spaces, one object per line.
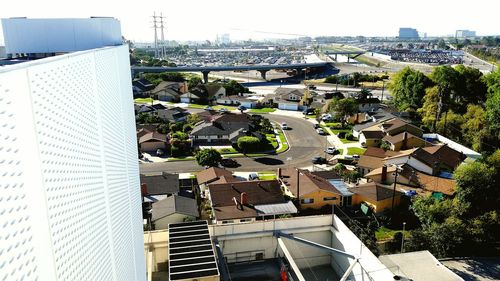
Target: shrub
{"x":349,"y":136}
{"x":248,"y":144}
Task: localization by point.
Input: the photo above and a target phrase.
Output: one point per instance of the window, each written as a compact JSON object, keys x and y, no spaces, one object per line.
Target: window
{"x":329,"y":198}
{"x":307,"y":201}
{"x":229,"y":221}
{"x":245,"y":220}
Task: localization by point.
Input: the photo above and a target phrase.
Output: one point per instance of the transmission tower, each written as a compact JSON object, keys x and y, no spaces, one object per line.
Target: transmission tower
{"x":155,"y":26}
{"x":162,"y":42}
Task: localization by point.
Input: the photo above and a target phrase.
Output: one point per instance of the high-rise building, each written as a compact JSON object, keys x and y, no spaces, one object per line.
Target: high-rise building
{"x":70,"y":206}
{"x":406,"y":33}
{"x":465,"y":34}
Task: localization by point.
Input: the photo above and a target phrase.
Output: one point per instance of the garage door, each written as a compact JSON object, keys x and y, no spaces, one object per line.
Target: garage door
{"x":287,"y":106}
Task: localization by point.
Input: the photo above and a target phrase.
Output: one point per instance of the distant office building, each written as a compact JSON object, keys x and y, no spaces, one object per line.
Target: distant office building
{"x":406,"y":33}
{"x":70,"y":206}
{"x":465,"y":34}
{"x":3,"y":54}
{"x":225,"y":39}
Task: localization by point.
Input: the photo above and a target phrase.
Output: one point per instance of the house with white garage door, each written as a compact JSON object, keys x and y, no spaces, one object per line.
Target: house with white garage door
{"x":289,"y":99}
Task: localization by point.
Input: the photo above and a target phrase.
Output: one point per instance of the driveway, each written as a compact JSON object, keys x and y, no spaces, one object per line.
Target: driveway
{"x":304,"y":143}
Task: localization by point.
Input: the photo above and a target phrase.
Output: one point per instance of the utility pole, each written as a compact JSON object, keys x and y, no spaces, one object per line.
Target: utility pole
{"x":394,"y":192}
{"x":298,"y":186}
{"x":383,"y":85}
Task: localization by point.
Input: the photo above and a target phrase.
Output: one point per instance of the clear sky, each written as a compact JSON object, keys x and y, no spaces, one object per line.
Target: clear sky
{"x":204,"y":19}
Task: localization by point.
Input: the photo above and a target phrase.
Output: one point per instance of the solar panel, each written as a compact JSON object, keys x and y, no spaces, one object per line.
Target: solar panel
{"x":191,"y":253}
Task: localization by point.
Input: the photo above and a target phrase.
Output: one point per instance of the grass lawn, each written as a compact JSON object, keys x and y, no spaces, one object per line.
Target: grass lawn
{"x":284,"y":146}
{"x":217,"y":107}
{"x":144,"y":100}
{"x":333,"y":125}
{"x":198,"y":106}
{"x":344,"y":140}
{"x":266,"y":175}
{"x":227,"y":151}
{"x":371,"y":61}
{"x":311,"y":116}
{"x":384,"y":233}
{"x":262,"y":110}
{"x":355,"y":150}
{"x":341,"y":151}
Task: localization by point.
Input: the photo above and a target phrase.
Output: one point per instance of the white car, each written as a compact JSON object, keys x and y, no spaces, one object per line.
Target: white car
{"x":330,"y":150}
{"x":320,"y":131}
{"x":284,"y":126}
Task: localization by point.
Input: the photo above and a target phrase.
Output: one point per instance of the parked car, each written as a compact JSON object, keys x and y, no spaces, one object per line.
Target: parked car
{"x":309,"y":111}
{"x":330,"y":150}
{"x":320,"y":131}
{"x":160,"y":152}
{"x":318,"y":160}
{"x":228,"y":162}
{"x":311,"y":87}
{"x":284,"y":126}
{"x":316,"y":125}
{"x":242,"y":108}
{"x":355,"y":156}
{"x":326,"y":117}
{"x":253,"y":176}
{"x":208,"y":108}
{"x":223,"y":110}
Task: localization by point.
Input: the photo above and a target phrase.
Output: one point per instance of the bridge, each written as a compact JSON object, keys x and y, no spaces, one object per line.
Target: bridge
{"x":348,"y":54}
{"x":262,"y":68}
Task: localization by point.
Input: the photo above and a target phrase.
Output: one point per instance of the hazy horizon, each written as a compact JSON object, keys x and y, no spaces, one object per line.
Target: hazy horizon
{"x":193,"y":20}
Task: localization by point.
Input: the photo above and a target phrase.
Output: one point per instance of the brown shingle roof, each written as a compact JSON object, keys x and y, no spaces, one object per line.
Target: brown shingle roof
{"x":373,"y":134}
{"x":399,"y":137}
{"x":375,"y":152}
{"x":374,"y":191}
{"x":446,"y":155}
{"x":395,"y":124}
{"x":153,"y":136}
{"x":308,"y":182}
{"x":370,"y":162}
{"x":258,"y":192}
{"x":212,"y":174}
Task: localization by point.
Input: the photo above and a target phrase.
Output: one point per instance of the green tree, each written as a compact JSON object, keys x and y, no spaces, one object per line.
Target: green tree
{"x":248,"y":144}
{"x":449,"y":125}
{"x":474,"y":127}
{"x":408,"y":88}
{"x":179,"y":135}
{"x":429,"y":109}
{"x":163,"y":128}
{"x":233,"y":88}
{"x":343,"y":107}
{"x":193,"y":119}
{"x":471,"y":87}
{"x":194,"y":81}
{"x":493,"y":103}
{"x":208,"y":157}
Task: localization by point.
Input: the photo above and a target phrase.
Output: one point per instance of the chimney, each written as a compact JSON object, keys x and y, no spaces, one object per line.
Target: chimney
{"x":384,"y":174}
{"x":244,"y":198}
{"x":144,"y":189}
{"x":405,"y":139}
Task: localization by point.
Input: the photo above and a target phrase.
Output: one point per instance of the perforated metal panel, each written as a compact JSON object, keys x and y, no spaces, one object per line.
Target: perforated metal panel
{"x":80,"y":141}
{"x":17,"y":260}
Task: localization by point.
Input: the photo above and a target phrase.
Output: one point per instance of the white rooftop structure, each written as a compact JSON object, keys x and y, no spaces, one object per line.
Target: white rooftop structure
{"x":418,"y":266}
{"x":32,"y":36}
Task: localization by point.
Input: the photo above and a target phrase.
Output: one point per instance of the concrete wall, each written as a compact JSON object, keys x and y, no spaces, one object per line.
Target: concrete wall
{"x":157,"y":243}
{"x":343,"y":239}
{"x":173,"y":218}
{"x":377,"y":206}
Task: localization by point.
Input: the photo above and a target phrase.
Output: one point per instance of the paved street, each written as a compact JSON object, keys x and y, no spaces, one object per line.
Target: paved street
{"x":304,"y":144}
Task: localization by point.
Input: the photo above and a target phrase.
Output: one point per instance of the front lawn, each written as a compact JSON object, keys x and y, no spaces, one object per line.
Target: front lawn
{"x":355,"y":150}
{"x":197,"y":106}
{"x":384,"y":233}
{"x":227,"y":151}
{"x":143,"y":100}
{"x":266,"y":175}
{"x":262,"y":110}
{"x":217,"y":107}
{"x":344,"y":140}
{"x":284,"y":143}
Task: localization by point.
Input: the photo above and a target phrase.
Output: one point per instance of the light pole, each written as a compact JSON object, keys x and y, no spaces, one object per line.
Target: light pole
{"x":403,"y":239}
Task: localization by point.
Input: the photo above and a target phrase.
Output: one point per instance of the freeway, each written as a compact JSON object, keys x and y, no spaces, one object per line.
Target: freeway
{"x":304,"y":142}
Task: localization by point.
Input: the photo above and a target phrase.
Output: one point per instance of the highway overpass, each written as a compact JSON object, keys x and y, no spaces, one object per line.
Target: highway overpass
{"x":262,"y":68}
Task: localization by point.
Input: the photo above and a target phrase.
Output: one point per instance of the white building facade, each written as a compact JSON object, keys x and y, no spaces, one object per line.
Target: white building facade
{"x":70,"y":206}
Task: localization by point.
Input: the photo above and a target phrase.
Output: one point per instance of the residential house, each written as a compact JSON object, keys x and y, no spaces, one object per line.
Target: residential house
{"x":203,"y":94}
{"x":289,"y":99}
{"x":238,"y":100}
{"x":411,"y":177}
{"x":404,"y":140}
{"x":214,"y":175}
{"x":449,"y":158}
{"x":223,"y":129}
{"x":165,"y":184}
{"x":376,"y":196}
{"x":174,"y":114}
{"x":169,"y":91}
{"x":417,"y":158}
{"x":373,"y":158}
{"x":173,"y":209}
{"x":141,"y":87}
{"x":397,"y":133}
{"x":313,"y":191}
{"x":357,"y":118}
{"x":152,"y":141}
{"x":244,"y":201}
{"x":373,"y":118}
